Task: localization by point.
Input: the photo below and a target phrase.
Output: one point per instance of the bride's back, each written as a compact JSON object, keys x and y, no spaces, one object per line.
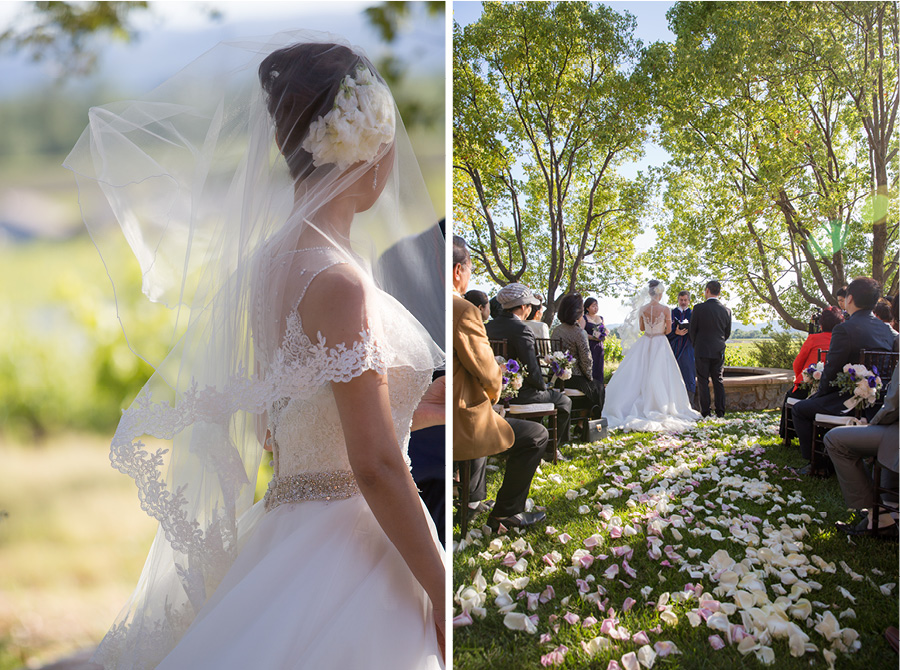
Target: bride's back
{"x":654,"y":316}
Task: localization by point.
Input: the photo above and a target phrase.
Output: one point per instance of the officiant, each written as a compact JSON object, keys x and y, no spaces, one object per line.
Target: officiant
{"x":681,"y":342}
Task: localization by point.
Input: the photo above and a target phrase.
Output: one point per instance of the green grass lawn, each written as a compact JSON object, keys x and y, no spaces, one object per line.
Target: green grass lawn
{"x":717,"y":519}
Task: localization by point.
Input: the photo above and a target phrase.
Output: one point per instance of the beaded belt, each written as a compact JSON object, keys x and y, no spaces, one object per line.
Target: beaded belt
{"x":334,"y":485}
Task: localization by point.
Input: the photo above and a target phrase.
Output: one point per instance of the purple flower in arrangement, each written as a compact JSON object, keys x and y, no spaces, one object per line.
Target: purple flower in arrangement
{"x":852,"y":373}
{"x":875,"y":370}
{"x":506,"y":380}
{"x":569,"y":357}
{"x":873,"y":382}
{"x":512,"y":366}
{"x":601,"y":332}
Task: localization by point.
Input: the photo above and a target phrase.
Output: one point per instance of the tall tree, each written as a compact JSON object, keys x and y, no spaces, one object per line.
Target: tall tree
{"x":777,"y":116}
{"x":547,"y":105}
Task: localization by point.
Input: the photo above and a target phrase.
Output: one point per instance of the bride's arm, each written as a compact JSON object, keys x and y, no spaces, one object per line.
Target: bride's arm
{"x":668,"y":321}
{"x":372,"y":446}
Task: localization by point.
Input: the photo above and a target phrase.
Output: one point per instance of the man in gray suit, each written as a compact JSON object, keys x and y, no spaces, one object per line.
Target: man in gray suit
{"x":849,"y":445}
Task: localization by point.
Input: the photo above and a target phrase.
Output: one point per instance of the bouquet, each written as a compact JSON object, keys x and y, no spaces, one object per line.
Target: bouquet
{"x":512,"y":379}
{"x":560,"y":364}
{"x":811,"y":377}
{"x":862,"y":384}
{"x":600,"y":332}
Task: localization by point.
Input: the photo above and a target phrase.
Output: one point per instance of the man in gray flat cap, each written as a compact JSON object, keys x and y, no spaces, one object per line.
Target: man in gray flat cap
{"x":516,"y":300}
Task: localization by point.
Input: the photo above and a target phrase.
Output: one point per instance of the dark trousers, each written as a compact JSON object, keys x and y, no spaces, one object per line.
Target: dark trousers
{"x":586,"y":386}
{"x":711,"y":368}
{"x":561,"y":402}
{"x":804,"y":414}
{"x":523,"y":458}
{"x":800,"y":393}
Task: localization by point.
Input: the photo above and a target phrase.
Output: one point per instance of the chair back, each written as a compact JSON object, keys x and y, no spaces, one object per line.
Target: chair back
{"x":884,"y":361}
{"x":543,"y":346}
{"x":498,"y":347}
{"x":822,"y":355}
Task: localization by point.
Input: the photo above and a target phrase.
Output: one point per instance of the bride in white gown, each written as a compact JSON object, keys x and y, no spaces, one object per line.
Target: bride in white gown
{"x":290,"y":342}
{"x":646,"y":392}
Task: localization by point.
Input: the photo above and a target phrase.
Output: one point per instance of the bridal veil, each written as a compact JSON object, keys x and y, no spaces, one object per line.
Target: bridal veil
{"x":216,"y":178}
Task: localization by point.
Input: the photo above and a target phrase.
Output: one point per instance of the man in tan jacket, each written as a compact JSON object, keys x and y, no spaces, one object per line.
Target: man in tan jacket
{"x":479,"y":431}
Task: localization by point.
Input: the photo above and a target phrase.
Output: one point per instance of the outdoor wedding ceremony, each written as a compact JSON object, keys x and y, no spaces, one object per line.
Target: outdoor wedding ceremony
{"x":674,"y":334}
{"x":449,"y":334}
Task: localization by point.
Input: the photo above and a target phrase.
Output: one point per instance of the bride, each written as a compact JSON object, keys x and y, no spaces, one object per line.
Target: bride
{"x":646,"y":392}
{"x":289,"y":342}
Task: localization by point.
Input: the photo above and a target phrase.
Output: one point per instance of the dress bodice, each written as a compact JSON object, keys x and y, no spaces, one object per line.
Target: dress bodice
{"x":306,"y":427}
{"x":655,"y":326}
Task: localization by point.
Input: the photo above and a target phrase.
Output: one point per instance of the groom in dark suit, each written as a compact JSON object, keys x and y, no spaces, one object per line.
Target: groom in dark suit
{"x":710,"y":327}
{"x":863,"y":330}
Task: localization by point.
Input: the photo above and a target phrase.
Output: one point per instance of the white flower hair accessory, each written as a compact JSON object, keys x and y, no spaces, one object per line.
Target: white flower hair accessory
{"x":361,"y":120}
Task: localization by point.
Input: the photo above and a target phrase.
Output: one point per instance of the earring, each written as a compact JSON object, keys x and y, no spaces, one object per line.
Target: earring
{"x":375,"y":177}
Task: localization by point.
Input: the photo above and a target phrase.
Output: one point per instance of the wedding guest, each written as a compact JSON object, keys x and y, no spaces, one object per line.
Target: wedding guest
{"x":574,"y":339}
{"x":596,"y":333}
{"x":533,"y":320}
{"x":883,"y":311}
{"x":841,"y":295}
{"x":809,"y":355}
{"x":849,"y":445}
{"x":861,"y":331}
{"x":478,"y":431}
{"x":515,"y":299}
{"x":496,"y":309}
{"x":681,"y":343}
{"x":481,"y":301}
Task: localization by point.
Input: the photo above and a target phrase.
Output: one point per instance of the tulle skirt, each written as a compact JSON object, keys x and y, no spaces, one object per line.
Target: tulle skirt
{"x":646,"y":392}
{"x":317,"y":585}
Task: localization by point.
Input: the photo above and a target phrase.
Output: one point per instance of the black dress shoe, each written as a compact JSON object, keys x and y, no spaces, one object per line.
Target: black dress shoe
{"x":596,"y":412}
{"x":862,"y":528}
{"x":520,"y":520}
{"x":483,"y":506}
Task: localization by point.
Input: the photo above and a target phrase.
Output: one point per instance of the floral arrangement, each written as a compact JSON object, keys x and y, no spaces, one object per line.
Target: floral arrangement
{"x":862,"y":384}
{"x":811,"y":376}
{"x":361,"y":120}
{"x":512,"y":379}
{"x":560,"y":364}
{"x":600,"y":332}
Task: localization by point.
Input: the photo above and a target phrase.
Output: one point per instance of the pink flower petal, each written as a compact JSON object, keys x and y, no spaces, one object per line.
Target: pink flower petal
{"x":615,"y":532}
{"x":546,"y":637}
{"x":628,"y":569}
{"x":571,"y":618}
{"x":613,"y":665}
{"x":716,"y":642}
{"x":464,"y":619}
{"x":564,"y":538}
{"x":583,"y":586}
{"x":640,"y":638}
{"x":509,"y":560}
{"x":628,"y":604}
{"x":555,"y":657}
{"x":588,"y":622}
{"x":607,"y":625}
{"x":586,"y":561}
{"x":547,"y":594}
{"x":611,"y":571}
{"x":592,"y":541}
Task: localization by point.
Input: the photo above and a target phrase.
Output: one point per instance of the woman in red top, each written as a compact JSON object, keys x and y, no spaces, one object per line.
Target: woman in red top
{"x":809,"y":355}
{"x":810,"y":350}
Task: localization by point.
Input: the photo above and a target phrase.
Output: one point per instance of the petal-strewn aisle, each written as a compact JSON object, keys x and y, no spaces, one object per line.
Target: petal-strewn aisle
{"x":703,"y":549}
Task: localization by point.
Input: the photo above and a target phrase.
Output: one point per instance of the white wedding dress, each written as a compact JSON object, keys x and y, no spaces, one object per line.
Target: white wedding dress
{"x":646,"y":392}
{"x":317,"y":584}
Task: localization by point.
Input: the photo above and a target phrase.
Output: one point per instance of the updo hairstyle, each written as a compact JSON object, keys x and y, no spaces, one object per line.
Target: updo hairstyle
{"x":301,"y":83}
{"x":655,"y":287}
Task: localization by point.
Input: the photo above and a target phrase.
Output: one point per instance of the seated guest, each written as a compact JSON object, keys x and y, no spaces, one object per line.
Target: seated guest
{"x":841,"y":296}
{"x":809,"y":353}
{"x":533,"y":320}
{"x":861,"y":331}
{"x":496,"y":309}
{"x":849,"y":445}
{"x":883,"y":311}
{"x":481,"y":301}
{"x":574,"y":340}
{"x":516,"y":299}
{"x":478,"y":431}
